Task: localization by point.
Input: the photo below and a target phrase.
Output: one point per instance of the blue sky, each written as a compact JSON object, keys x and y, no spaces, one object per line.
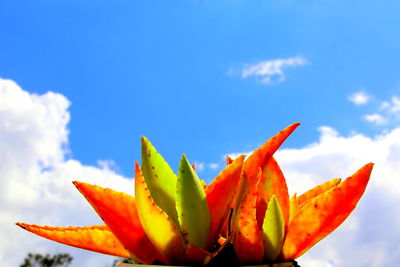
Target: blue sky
{"x":205,"y":78}
{"x":133,"y":68}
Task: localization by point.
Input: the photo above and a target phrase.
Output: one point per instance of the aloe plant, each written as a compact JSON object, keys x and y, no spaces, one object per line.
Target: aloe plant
{"x":178,"y":220}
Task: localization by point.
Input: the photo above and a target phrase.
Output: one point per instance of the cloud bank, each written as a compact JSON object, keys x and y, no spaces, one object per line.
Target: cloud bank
{"x":36,"y":175}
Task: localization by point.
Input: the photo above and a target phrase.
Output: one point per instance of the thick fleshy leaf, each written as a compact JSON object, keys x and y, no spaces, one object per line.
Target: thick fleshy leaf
{"x":160,"y":179}
{"x":272,"y":183}
{"x":247,"y":239}
{"x":220,"y":195}
{"x":294,"y":207}
{"x":317,"y":191}
{"x":191,"y":205}
{"x":97,"y":238}
{"x":273,"y":230}
{"x":160,"y":229}
{"x":322,"y":214}
{"x":258,"y":158}
{"x":244,"y":187}
{"x":118,"y":211}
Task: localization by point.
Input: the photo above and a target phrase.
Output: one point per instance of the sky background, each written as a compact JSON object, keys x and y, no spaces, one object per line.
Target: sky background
{"x":82,"y":81}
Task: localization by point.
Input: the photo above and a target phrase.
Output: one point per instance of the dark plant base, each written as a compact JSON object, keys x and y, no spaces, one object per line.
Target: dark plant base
{"x":278,"y":264}
{"x":226,"y":257}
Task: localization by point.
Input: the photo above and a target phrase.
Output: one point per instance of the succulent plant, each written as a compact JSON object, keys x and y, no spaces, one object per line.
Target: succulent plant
{"x":179,"y":220}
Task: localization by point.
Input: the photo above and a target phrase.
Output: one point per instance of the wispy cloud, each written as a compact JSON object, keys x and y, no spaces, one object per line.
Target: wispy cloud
{"x":359,"y":98}
{"x":375,"y":118}
{"x":384,"y":112}
{"x":392,"y":106}
{"x":199,"y":166}
{"x":272,"y":70}
{"x":213,"y":166}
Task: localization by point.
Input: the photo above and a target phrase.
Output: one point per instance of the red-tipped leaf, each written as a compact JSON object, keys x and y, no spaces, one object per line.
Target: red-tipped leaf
{"x":258,"y":158}
{"x":118,"y":211}
{"x":321,"y":215}
{"x":97,"y":238}
{"x":220,"y":194}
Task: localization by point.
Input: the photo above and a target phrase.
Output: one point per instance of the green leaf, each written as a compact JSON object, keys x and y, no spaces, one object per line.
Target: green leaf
{"x":273,"y":230}
{"x":160,"y":179}
{"x":192,"y":207}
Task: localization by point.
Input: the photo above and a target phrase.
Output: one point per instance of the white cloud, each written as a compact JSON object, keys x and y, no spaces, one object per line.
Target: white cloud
{"x":107,"y":164}
{"x":36,"y":175}
{"x":387,"y":112}
{"x":369,"y":237}
{"x":393,"y":105}
{"x":359,"y":98}
{"x":375,"y":118}
{"x":199,"y":166}
{"x":272,"y":70}
{"x":213,"y":166}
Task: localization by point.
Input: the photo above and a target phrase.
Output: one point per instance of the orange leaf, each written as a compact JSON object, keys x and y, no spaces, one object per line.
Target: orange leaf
{"x":321,"y":215}
{"x":294,"y":207}
{"x":317,"y":191}
{"x":247,"y":239}
{"x":97,"y":238}
{"x":118,"y":211}
{"x":258,"y":158}
{"x":220,"y":194}
{"x":272,"y":183}
{"x":161,"y":229}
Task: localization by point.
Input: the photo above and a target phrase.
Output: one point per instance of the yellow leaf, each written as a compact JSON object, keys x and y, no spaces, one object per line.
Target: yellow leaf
{"x":160,"y":229}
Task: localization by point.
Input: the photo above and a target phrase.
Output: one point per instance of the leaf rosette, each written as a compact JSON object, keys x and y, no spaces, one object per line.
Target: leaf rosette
{"x":175,"y":219}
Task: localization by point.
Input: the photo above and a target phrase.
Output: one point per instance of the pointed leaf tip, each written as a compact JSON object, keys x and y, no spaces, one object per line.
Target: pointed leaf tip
{"x":118,"y":210}
{"x":191,"y":205}
{"x":273,"y":230}
{"x":324,"y":213}
{"x":97,"y":238}
{"x":160,"y":179}
{"x":258,"y":158}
